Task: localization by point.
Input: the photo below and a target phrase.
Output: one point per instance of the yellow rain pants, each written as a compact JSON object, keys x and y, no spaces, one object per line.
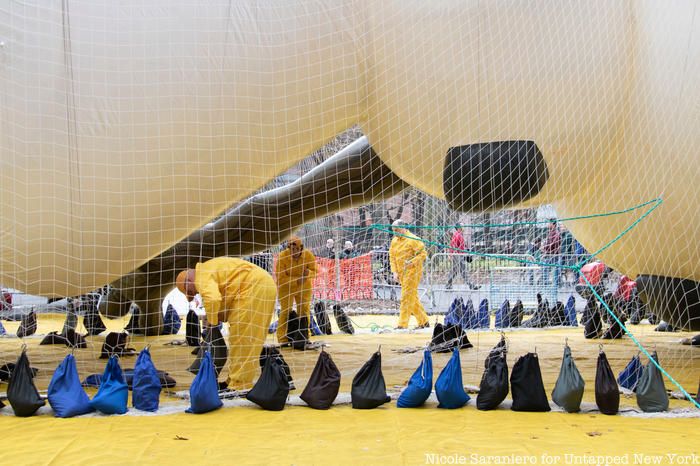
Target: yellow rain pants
{"x":407,"y":255}
{"x":289,"y":272}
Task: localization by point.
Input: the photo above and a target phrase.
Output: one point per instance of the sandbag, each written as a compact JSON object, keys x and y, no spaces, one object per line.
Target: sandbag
{"x":193,"y":330}
{"x":558,"y":315}
{"x":93,"y":322}
{"x":214,"y":343}
{"x":112,"y":396}
{"x":134,"y":326}
{"x":607,"y":395}
{"x":651,"y":391}
{"x":420,"y":385}
{"x":342,"y":319}
{"x":6,"y":371}
{"x":570,"y":312}
{"x":665,"y":327}
{"x":526,"y":385}
{"x":592,"y":326}
{"x":636,"y":308}
{"x":368,"y":388}
{"x":146,"y":384}
{"x":629,"y":377}
{"x":171,"y":321}
{"x":502,"y":319}
{"x":483,"y":316}
{"x":493,"y":387}
{"x":2,"y":330}
{"x":568,"y":390}
{"x":297,"y":331}
{"x":66,"y":396}
{"x":515,"y":318}
{"x":470,"y":319}
{"x":272,"y":352}
{"x":70,"y":338}
{"x":321,"y":316}
{"x":115,"y":345}
{"x":94,"y":380}
{"x":613,"y":332}
{"x":541,"y":316}
{"x":272,"y":329}
{"x":71,"y":321}
{"x":313,"y":327}
{"x":446,"y":338}
{"x":21,"y":391}
{"x":448,"y":386}
{"x":455,"y":313}
{"x":204,"y":390}
{"x":27,"y":326}
{"x":272,"y":388}
{"x":324,"y":383}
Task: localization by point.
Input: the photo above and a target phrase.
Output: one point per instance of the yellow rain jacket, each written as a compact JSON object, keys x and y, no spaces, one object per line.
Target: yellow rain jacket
{"x":406,"y":255}
{"x":289,"y":272}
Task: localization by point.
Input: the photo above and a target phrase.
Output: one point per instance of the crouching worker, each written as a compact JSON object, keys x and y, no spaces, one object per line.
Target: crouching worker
{"x":407,"y":254}
{"x":296,"y":270}
{"x":242,"y":294}
{"x":595,"y":273}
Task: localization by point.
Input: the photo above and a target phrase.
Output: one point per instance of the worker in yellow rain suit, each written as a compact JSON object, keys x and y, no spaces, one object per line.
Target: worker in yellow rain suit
{"x":296,"y":270}
{"x":407,"y":254}
{"x":242,"y":294}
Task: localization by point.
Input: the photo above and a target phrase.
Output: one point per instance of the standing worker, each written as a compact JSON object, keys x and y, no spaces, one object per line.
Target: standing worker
{"x":243,"y":294}
{"x":407,"y":254}
{"x":296,"y":270}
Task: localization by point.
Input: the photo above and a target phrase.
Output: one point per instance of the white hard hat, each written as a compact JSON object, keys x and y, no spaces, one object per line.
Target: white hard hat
{"x":348,"y":245}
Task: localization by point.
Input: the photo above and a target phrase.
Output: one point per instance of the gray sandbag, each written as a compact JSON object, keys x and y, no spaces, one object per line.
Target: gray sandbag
{"x":651,"y":391}
{"x":568,"y":390}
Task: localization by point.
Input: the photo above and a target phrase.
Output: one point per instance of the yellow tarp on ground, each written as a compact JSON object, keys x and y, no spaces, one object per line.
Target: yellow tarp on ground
{"x":299,"y":435}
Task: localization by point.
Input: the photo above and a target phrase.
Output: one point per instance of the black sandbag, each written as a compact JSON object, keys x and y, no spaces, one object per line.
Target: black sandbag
{"x":93,"y":322}
{"x":493,"y":388}
{"x":115,"y":345}
{"x":27,"y":325}
{"x":193,"y":331}
{"x":568,"y":390}
{"x":71,"y":321}
{"x":447,"y":337}
{"x":610,"y":301}
{"x":613,"y":332}
{"x":21,"y":391}
{"x":342,"y":319}
{"x":665,"y":327}
{"x":324,"y":383}
{"x":368,"y":387}
{"x":271,"y":390}
{"x":515,"y":317}
{"x":297,"y":331}
{"x":322,"y":320}
{"x":273,"y":352}
{"x":526,"y":385}
{"x":558,"y":315}
{"x":134,"y":325}
{"x":635,"y":308}
{"x":607,"y":394}
{"x":214,"y":343}
{"x":6,"y":371}
{"x":70,"y":338}
{"x":592,"y":326}
{"x":651,"y":391}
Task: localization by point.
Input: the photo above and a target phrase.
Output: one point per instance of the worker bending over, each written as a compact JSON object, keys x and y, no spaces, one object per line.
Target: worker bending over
{"x":296,"y":270}
{"x":242,"y":294}
{"x":407,"y":254}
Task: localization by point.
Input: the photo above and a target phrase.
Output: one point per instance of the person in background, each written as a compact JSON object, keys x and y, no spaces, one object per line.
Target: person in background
{"x":328,"y":251}
{"x":296,"y":270}
{"x":552,"y":250}
{"x":348,"y":251}
{"x":243,"y":294}
{"x":595,"y":273}
{"x":460,"y":259}
{"x":407,"y":254}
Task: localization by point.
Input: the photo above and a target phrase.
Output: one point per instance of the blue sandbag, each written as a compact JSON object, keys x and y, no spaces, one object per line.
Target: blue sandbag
{"x":146,"y":383}
{"x":448,"y":387}
{"x":419,"y":386}
{"x":171,"y":321}
{"x":273,"y":327}
{"x":455,"y":313}
{"x":570,"y":311}
{"x":469,"y":317}
{"x":629,"y":377}
{"x":92,"y":380}
{"x":2,"y":329}
{"x":502,"y":315}
{"x":113,"y":394}
{"x":66,"y":395}
{"x":204,"y":391}
{"x":484,"y":318}
{"x":315,"y":331}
